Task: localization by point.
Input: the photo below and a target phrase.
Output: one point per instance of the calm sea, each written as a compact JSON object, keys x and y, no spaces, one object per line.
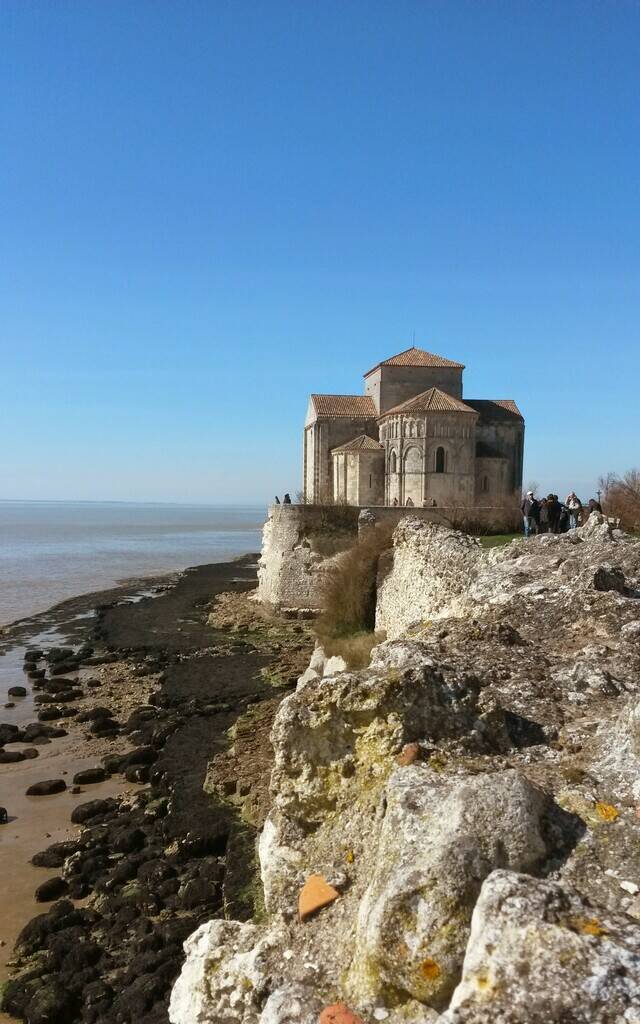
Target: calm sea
{"x":50,"y":551}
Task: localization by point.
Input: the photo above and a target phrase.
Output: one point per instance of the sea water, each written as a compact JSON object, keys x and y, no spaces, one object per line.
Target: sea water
{"x":53,"y":550}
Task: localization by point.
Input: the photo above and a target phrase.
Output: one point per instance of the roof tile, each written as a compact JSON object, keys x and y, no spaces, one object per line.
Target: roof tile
{"x":362,"y":443}
{"x":354,"y":406}
{"x":495,"y":408}
{"x":433,"y":400}
{"x":416,"y":357}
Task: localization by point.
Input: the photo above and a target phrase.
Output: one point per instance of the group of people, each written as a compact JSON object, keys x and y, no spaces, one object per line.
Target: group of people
{"x":550,"y":515}
{"x":285,"y":501}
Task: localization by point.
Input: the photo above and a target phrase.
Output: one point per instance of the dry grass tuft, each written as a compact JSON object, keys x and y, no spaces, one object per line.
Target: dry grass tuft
{"x":346,"y":624}
{"x":355,"y":649}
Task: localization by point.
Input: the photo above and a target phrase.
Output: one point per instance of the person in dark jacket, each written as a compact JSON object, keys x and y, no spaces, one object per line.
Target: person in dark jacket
{"x":553,"y":510}
{"x":286,"y":500}
{"x":530,"y":514}
{"x":594,"y":506}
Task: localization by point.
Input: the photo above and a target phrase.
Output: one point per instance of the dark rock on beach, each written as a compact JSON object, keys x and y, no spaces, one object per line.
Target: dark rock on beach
{"x":94,"y":714}
{"x":56,"y":854}
{"x":92,"y":809}
{"x":89,"y":776}
{"x":51,"y":890}
{"x":17,"y":691}
{"x":8,"y":733}
{"x":11,"y":756}
{"x":47,"y":788}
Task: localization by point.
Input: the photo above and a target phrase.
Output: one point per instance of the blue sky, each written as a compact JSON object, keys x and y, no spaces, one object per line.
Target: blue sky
{"x":210,"y":209}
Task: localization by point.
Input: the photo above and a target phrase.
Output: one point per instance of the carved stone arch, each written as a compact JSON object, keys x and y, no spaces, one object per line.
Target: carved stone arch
{"x":440,"y":459}
{"x":393,"y":461}
{"x":412,"y":461}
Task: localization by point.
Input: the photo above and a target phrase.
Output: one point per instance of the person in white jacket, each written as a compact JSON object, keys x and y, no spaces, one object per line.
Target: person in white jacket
{"x":573,"y":506}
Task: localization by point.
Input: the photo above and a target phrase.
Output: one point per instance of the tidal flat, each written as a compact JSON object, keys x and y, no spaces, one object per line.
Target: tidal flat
{"x":168,"y":688}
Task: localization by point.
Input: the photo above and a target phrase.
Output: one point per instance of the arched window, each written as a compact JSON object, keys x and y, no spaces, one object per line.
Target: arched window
{"x":441,"y":459}
{"x":392,"y":462}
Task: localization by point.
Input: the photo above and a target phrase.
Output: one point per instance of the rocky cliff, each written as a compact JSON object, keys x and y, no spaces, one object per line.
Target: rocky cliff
{"x":454,"y":833}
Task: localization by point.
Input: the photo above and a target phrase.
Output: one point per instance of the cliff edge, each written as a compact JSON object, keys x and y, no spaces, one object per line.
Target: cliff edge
{"x":454,"y":832}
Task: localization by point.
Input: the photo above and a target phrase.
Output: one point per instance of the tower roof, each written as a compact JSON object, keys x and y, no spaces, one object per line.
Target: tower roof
{"x":416,"y":357}
{"x":362,"y":443}
{"x":432,"y":400}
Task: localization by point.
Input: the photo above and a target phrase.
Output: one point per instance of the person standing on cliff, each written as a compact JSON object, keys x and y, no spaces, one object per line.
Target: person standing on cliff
{"x":573,"y":506}
{"x":286,"y":500}
{"x":530,"y":512}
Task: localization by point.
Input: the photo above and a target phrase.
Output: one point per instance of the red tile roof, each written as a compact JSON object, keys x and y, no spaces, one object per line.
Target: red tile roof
{"x":433,"y":400}
{"x":496,"y":408}
{"x":353,"y":406}
{"x":416,"y":357}
{"x":362,"y":443}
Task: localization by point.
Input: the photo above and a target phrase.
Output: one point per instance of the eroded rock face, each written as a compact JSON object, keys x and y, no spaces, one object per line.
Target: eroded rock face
{"x":538,"y":953}
{"x":433,"y":568}
{"x":513,"y":680}
{"x":438,"y":573}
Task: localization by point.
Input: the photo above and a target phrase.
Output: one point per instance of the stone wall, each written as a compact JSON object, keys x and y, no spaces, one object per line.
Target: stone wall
{"x":298,"y":541}
{"x":388,"y":386}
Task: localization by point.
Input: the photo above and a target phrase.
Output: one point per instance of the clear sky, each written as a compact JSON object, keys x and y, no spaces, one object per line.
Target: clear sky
{"x":210,"y":209}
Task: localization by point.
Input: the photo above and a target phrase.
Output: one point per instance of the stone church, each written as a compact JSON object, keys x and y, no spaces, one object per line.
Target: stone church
{"x":411,"y":439}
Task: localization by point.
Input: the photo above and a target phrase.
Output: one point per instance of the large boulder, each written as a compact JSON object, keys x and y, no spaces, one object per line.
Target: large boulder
{"x":440,"y":838}
{"x":539,"y":953}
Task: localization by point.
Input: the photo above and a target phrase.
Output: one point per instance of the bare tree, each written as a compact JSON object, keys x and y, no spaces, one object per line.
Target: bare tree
{"x":621,"y":497}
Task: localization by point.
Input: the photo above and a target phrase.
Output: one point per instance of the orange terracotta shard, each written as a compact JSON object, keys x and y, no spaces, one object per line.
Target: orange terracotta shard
{"x":410,"y":753}
{"x":339,"y":1013}
{"x":315,"y":894}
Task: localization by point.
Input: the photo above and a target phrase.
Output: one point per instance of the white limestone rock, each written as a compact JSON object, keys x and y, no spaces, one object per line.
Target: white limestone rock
{"x":539,"y":954}
{"x":291,"y":1004}
{"x":433,"y":567}
{"x":281,"y":862}
{"x":440,"y":838}
{"x":334,"y":736}
{"x":308,"y":676}
{"x":617,"y":751}
{"x":333,"y":665}
{"x":222,"y":978}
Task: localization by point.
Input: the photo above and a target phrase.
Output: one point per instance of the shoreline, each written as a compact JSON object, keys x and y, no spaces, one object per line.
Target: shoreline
{"x":176,"y":685}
